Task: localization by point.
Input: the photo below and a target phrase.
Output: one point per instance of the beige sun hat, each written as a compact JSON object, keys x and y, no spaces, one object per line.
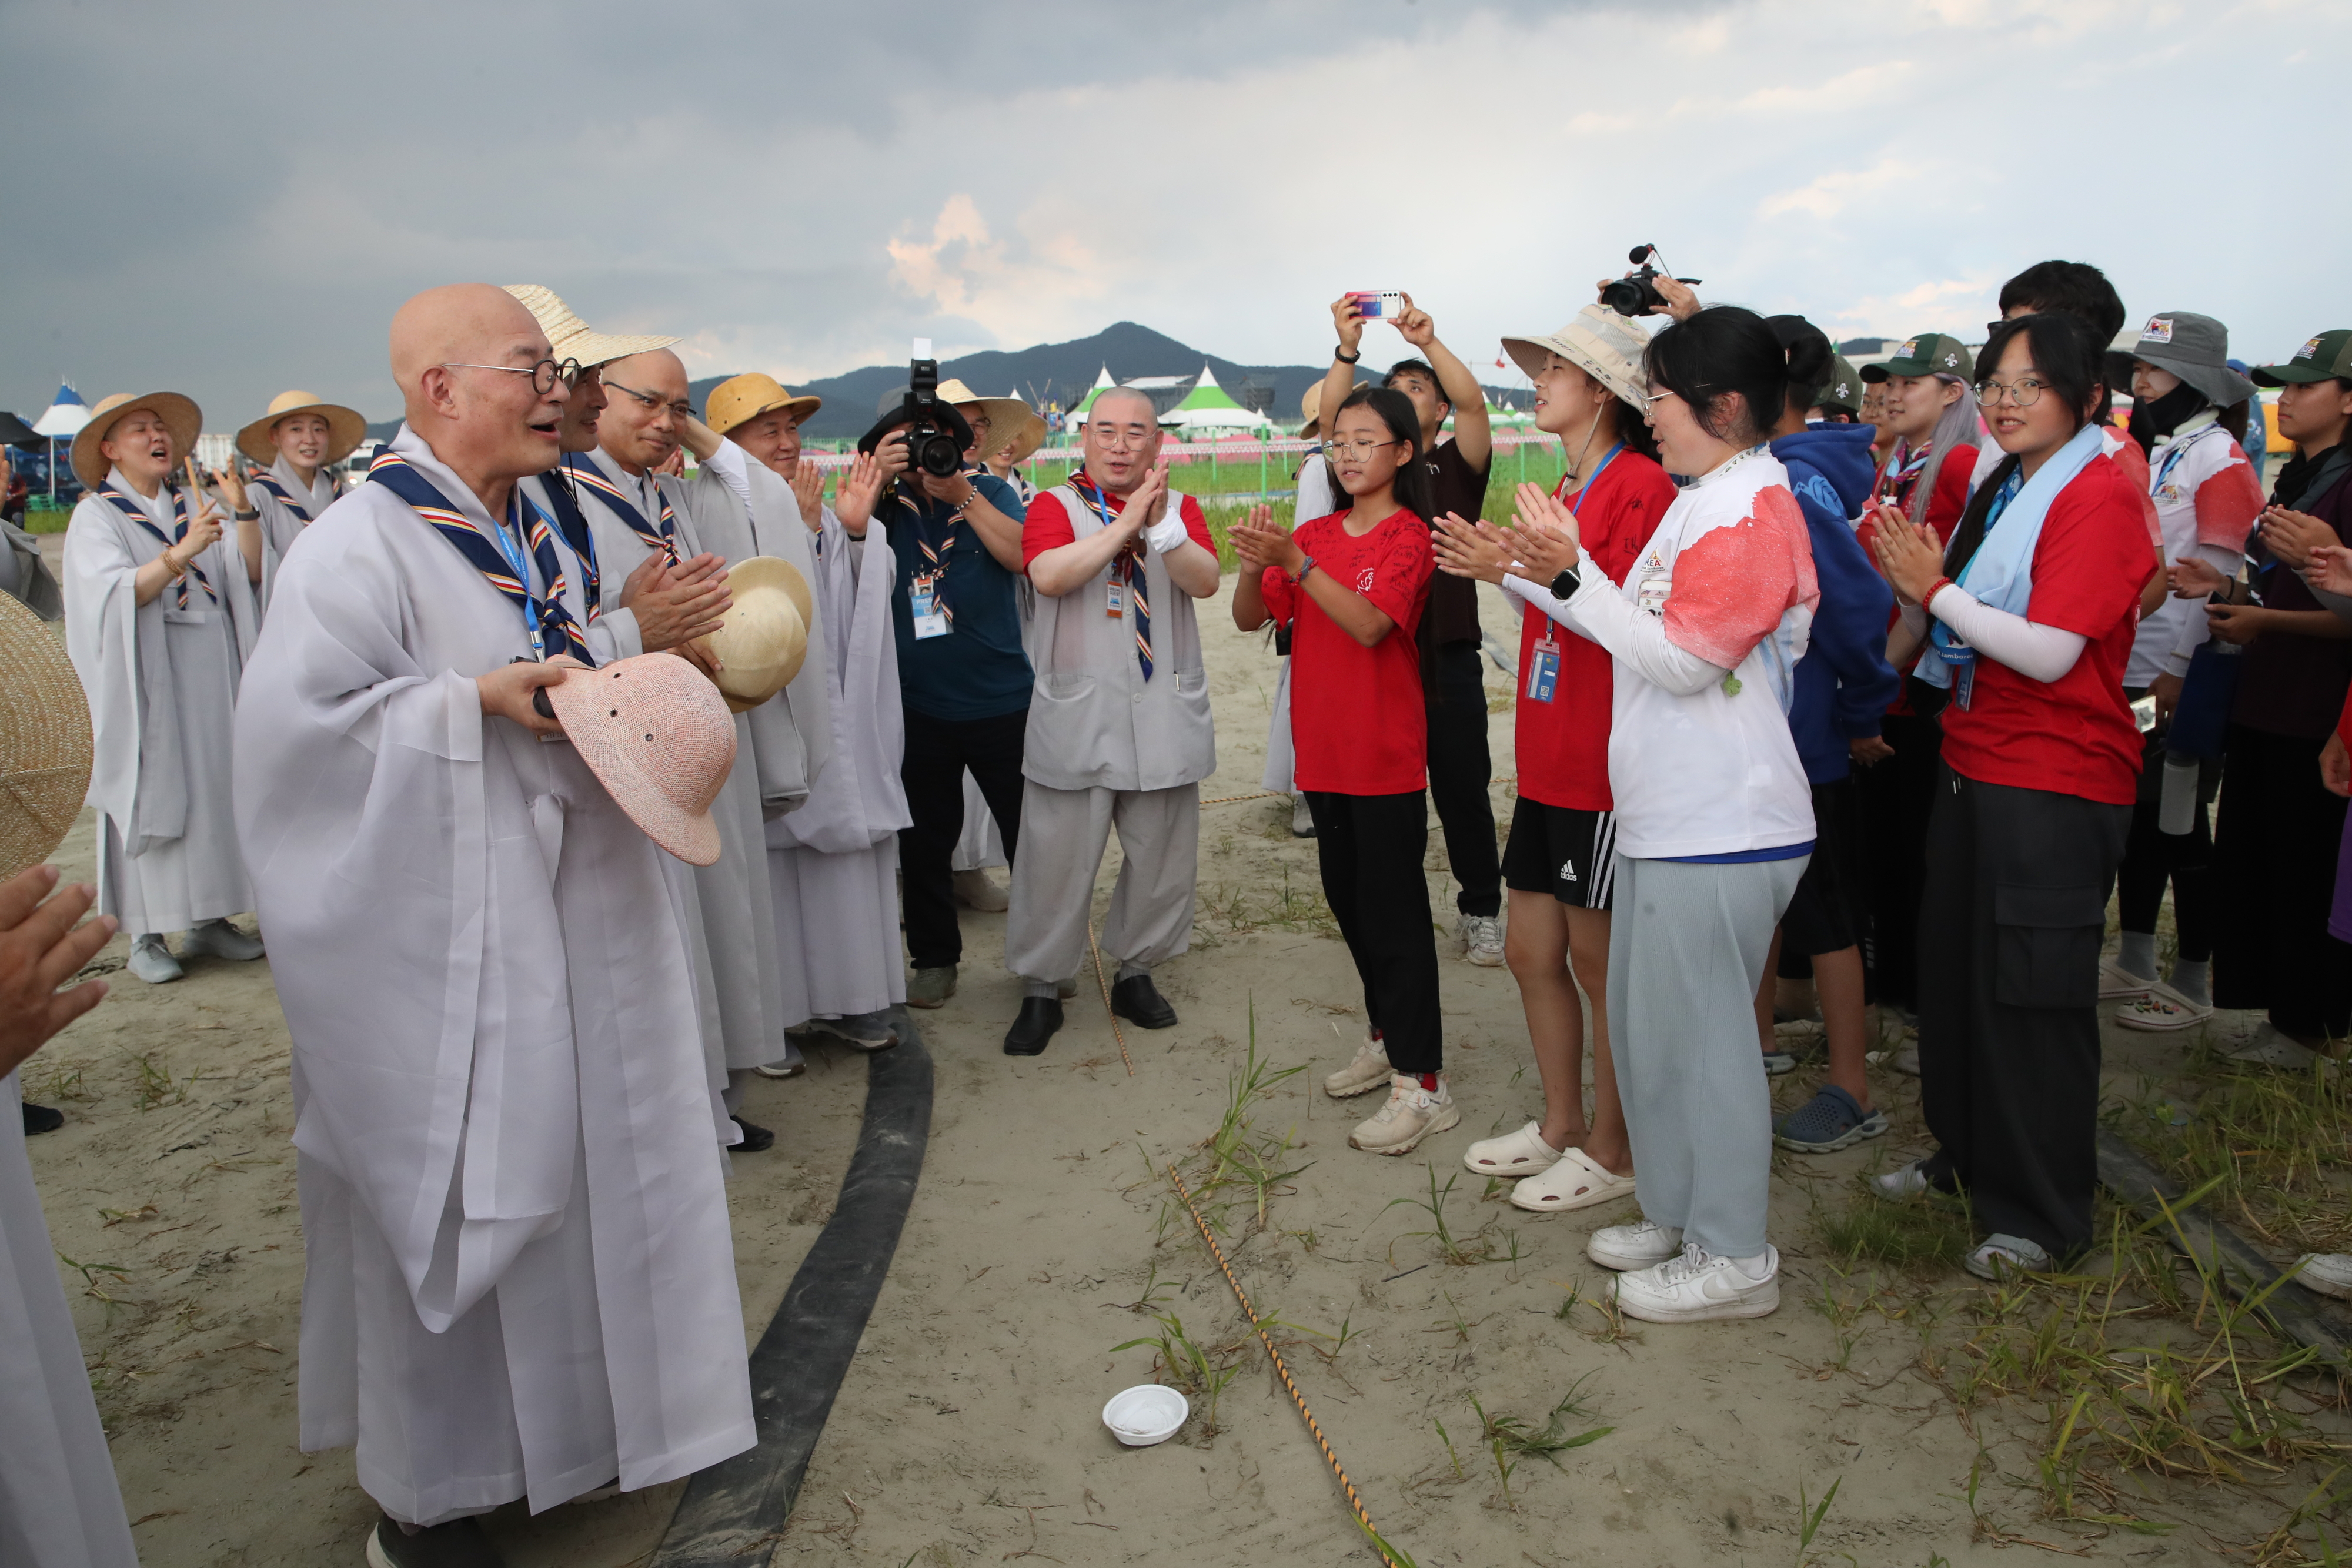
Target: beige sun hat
{"x":1310,"y":408}
{"x":346,"y":427}
{"x":181,"y":416}
{"x":1006,"y":416}
{"x":44,"y":740}
{"x":1032,"y":437}
{"x":764,"y":638}
{"x":658,"y":736}
{"x":570,"y":335}
{"x":1606,"y":346}
{"x":747,"y":397}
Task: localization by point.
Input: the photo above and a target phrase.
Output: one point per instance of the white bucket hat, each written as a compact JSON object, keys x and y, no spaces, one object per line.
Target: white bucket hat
{"x":1606,"y":346}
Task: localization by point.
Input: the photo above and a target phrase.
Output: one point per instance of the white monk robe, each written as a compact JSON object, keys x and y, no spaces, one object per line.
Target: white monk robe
{"x":163,"y":685}
{"x":779,"y":744}
{"x":282,"y":523}
{"x":519,"y":1278}
{"x":834,"y":864}
{"x":59,"y":1507}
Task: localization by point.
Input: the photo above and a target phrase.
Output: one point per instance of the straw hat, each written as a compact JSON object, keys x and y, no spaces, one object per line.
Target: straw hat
{"x":761,"y":643}
{"x":1604,"y":345}
{"x":1031,"y":437}
{"x":181,"y":416}
{"x":44,"y":740}
{"x":658,"y":738}
{"x":570,"y":335}
{"x":346,"y":428}
{"x":1005,"y":415}
{"x":747,"y":397}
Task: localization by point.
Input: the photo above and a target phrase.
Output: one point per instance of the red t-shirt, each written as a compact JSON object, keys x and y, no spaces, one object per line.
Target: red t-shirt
{"x":1048,"y":527}
{"x":1563,"y":744}
{"x":1358,"y":725}
{"x":2074,"y":735}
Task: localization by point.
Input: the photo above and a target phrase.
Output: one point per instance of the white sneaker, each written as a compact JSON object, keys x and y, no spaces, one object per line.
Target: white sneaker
{"x":2329,"y":1273}
{"x":1639,"y":1245}
{"x":1367,"y":1071}
{"x":1695,"y":1286}
{"x":1902,"y":1184}
{"x":1482,"y":940}
{"x":1410,"y":1114}
{"x":1302,"y":820}
{"x":2002,"y":1255}
{"x":152,"y":961}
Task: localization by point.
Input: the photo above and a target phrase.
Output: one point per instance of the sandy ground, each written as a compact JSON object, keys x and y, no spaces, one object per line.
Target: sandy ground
{"x":969,"y":1429}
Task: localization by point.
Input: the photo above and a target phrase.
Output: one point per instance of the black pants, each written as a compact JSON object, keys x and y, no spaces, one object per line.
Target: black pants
{"x":2009,"y":990}
{"x":1459,"y":770}
{"x":2153,"y":858}
{"x":1896,"y":797}
{"x":2275,"y":874}
{"x":938,"y":752}
{"x":1371,"y":847}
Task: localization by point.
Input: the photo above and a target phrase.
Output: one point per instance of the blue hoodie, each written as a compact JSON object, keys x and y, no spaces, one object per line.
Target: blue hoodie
{"x":1843,"y":681}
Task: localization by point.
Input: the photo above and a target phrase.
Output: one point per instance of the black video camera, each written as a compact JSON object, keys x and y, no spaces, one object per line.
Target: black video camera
{"x":1637,"y":295}
{"x":937,"y":435}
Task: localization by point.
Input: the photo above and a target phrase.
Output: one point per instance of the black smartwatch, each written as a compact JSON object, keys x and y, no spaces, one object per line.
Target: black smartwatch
{"x":1564,"y":584}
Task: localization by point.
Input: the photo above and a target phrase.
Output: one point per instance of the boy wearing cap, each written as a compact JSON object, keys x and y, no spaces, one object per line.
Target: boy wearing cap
{"x":161,"y":616}
{"x":520,"y":1270}
{"x":296,"y":439}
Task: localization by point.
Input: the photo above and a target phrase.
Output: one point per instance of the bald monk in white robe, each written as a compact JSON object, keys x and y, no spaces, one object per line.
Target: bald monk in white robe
{"x":520,"y":1276}
{"x":646,"y":523}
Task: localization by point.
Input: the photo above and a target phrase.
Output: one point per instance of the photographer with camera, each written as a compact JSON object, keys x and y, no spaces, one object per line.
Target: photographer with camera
{"x":1440,"y":386}
{"x":963,"y":678}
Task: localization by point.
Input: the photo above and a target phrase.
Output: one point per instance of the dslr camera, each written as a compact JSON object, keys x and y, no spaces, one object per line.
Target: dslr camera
{"x":1638,"y":295}
{"x":935,"y":434}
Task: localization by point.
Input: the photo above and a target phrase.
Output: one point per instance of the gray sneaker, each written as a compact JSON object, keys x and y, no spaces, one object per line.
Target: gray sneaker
{"x":1482,"y":940}
{"x":152,"y":962}
{"x":932,"y":988}
{"x":975,"y":889}
{"x":861,"y":1031}
{"x":1302,"y":820}
{"x":221,"y":940}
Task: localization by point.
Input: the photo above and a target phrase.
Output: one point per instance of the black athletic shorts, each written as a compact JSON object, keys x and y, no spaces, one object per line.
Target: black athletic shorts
{"x":1563,"y":851}
{"x":1831,"y":910}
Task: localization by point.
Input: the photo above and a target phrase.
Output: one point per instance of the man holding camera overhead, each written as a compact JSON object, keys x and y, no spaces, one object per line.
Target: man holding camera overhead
{"x":962,"y":674}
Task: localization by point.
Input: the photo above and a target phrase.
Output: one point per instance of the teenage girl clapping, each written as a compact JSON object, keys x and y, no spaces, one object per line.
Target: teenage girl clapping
{"x":1351,"y":588}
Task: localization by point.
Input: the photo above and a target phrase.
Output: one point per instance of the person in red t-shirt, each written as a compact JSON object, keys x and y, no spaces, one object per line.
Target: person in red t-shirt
{"x":1351,"y":588}
{"x":2041,"y":765}
{"x":1559,"y":857}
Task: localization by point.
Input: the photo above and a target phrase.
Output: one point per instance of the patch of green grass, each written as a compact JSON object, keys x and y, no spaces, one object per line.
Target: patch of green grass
{"x":1923,"y":1234}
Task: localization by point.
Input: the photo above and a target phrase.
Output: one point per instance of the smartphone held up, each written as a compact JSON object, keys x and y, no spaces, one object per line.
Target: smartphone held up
{"x":1378,"y":305}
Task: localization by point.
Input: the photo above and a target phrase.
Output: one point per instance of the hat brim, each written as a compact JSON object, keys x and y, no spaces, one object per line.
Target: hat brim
{"x":45,"y":747}
{"x":1528,"y":352}
{"x":756,"y":572}
{"x":181,"y":416}
{"x":1032,"y":437}
{"x":2288,"y":375}
{"x":1004,"y":416}
{"x":346,"y":428}
{"x":691,"y":836}
{"x":2218,"y":384}
{"x":800,"y":407}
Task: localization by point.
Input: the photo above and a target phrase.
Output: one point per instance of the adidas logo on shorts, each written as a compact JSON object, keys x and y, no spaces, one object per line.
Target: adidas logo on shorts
{"x":1568,"y":871}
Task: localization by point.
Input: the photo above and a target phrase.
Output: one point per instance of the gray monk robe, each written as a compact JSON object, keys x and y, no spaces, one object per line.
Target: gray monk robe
{"x":162,"y":678}
{"x":780,"y":744}
{"x":520,"y":1277}
{"x":283,"y":518}
{"x":1105,"y":748}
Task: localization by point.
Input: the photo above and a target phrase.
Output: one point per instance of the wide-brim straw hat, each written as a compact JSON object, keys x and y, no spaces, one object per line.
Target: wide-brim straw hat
{"x":746,"y":397}
{"x":181,"y":416}
{"x":1006,"y":416}
{"x":44,"y":740}
{"x":1606,"y":346}
{"x":1032,"y":437}
{"x":572,"y":338}
{"x":346,"y":427}
{"x":764,"y":638}
{"x":1310,"y":408}
{"x":658,"y":736}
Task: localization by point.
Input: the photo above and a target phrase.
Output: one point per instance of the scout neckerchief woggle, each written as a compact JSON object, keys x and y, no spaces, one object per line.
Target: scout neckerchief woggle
{"x":663,"y":537}
{"x":550,"y":624}
{"x":138,"y":514}
{"x":1543,"y":670}
{"x":1126,"y":571}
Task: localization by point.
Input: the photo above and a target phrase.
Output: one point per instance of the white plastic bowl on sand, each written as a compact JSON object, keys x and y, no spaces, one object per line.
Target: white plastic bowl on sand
{"x":1146,"y":1415}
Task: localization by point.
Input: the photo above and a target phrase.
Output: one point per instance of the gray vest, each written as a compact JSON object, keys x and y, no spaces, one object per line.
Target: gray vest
{"x":1095,"y":723}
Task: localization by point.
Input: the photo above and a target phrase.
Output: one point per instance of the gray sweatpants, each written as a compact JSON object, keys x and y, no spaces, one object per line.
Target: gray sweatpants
{"x":1686,"y":951}
{"x":1063,"y":832}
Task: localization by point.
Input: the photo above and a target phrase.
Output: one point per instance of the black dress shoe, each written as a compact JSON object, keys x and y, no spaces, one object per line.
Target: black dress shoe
{"x":755,"y":1138}
{"x":1138,"y":1002}
{"x":1039,"y":1017}
{"x":459,"y":1544}
{"x":42,"y":1118}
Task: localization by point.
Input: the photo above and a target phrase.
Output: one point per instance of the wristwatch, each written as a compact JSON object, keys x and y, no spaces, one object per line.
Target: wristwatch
{"x":1564,"y":584}
{"x":247,"y":516}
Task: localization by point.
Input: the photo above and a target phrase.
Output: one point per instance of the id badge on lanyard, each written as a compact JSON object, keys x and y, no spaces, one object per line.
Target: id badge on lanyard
{"x":922,"y":595}
{"x":1115,"y":605}
{"x":1543,"y":669}
{"x":1963,"y":661}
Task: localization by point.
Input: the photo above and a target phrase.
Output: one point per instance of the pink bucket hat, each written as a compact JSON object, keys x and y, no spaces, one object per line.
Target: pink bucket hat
{"x":658,"y":736}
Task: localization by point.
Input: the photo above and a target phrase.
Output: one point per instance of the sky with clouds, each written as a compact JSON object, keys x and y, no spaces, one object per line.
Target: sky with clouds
{"x":230,"y":199}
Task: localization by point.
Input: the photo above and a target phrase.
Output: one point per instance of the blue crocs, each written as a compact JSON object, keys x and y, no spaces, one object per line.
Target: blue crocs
{"x":1832,"y":1120}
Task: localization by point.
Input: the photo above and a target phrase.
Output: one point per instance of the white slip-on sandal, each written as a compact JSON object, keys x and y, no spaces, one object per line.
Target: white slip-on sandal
{"x":1576,"y":1181}
{"x":1521,"y":1154}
